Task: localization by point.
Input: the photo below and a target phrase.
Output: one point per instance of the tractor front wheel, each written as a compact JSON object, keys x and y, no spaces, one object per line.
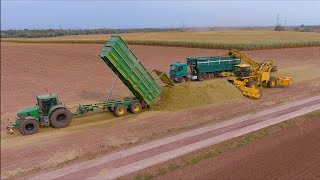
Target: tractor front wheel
{"x":61,"y":118}
{"x":120,"y":110}
{"x":29,"y":126}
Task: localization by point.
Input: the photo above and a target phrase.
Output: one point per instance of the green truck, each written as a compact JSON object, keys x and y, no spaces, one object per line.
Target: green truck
{"x":198,"y":68}
{"x":117,"y":55}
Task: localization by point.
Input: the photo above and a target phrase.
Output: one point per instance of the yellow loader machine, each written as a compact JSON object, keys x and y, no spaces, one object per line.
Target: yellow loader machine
{"x":249,"y":76}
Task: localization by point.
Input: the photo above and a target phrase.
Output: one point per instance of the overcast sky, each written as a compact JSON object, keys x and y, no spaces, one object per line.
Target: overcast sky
{"x":141,"y":14}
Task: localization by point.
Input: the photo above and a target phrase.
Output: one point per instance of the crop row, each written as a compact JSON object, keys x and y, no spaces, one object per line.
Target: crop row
{"x":191,"y":44}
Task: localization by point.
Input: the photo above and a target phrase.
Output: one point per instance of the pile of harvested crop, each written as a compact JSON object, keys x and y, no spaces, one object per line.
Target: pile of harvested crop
{"x":195,"y":94}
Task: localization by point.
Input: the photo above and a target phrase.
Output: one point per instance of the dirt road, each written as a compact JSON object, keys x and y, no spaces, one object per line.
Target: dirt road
{"x":140,"y":157}
{"x":292,"y":153}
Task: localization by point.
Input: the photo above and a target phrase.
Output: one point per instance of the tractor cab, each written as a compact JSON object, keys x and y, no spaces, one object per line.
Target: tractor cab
{"x":45,"y":102}
{"x":242,"y":70}
{"x":178,"y":70}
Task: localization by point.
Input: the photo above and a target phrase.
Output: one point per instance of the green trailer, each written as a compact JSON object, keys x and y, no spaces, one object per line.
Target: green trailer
{"x":129,"y":69}
{"x":122,"y":61}
{"x":201,"y":67}
{"x":116,"y":54}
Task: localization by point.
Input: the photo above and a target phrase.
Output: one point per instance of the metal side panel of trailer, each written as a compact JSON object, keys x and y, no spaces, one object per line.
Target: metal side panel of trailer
{"x":117,"y":55}
{"x":213,"y":64}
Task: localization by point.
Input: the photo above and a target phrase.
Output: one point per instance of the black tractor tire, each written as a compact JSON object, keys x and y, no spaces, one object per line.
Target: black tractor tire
{"x":272,"y":82}
{"x":120,"y":110}
{"x":60,"y":118}
{"x":29,"y":126}
{"x":251,"y":84}
{"x":183,"y":80}
{"x":135,"y":108}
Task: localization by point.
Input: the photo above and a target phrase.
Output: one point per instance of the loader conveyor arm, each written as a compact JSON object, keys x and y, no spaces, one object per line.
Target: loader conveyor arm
{"x":233,"y":52}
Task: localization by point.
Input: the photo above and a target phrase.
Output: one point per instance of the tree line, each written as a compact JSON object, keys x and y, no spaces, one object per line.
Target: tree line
{"x":43,"y":33}
{"x":32,"y":33}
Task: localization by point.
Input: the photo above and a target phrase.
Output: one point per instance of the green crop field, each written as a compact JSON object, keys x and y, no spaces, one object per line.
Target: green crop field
{"x":239,"y":39}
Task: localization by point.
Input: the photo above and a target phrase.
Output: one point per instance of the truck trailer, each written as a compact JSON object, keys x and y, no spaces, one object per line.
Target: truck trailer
{"x":198,"y":68}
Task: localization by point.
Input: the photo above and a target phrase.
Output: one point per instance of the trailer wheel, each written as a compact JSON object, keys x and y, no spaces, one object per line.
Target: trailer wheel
{"x":135,"y":108}
{"x":272,"y":82}
{"x":60,"y":118}
{"x":29,"y":126}
{"x":120,"y":110}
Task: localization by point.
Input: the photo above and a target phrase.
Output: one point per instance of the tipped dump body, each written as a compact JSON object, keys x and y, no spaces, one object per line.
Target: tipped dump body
{"x":117,"y":55}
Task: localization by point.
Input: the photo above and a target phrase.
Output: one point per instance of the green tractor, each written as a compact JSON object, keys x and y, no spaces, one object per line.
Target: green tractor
{"x":48,"y":110}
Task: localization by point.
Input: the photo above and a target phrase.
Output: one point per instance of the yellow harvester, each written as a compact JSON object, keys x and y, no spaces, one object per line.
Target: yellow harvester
{"x":249,"y":76}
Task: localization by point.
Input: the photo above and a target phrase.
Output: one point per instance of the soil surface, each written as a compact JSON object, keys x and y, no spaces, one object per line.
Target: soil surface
{"x":292,"y":153}
{"x":77,"y":74}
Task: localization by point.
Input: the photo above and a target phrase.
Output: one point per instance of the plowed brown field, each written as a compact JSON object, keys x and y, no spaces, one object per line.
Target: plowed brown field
{"x":77,"y":74}
{"x":292,"y":153}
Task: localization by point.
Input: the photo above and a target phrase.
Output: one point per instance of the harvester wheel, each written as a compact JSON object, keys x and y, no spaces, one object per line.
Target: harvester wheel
{"x":135,"y":107}
{"x":60,"y":118}
{"x":29,"y":126}
{"x":272,"y":82}
{"x":120,"y":110}
{"x":252,"y":84}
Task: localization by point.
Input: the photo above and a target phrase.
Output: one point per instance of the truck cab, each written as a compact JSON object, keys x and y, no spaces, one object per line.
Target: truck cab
{"x":179,"y":72}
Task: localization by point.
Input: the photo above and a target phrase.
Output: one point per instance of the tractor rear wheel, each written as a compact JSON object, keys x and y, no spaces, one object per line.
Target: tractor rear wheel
{"x":61,"y":118}
{"x":272,"y":82}
{"x":120,"y":110}
{"x":135,"y":107}
{"x":29,"y":126}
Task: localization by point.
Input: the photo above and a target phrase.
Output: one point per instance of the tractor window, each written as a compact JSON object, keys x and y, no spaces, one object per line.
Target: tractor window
{"x":242,"y":71}
{"x":45,"y":105}
{"x":39,"y":103}
{"x":53,"y":101}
